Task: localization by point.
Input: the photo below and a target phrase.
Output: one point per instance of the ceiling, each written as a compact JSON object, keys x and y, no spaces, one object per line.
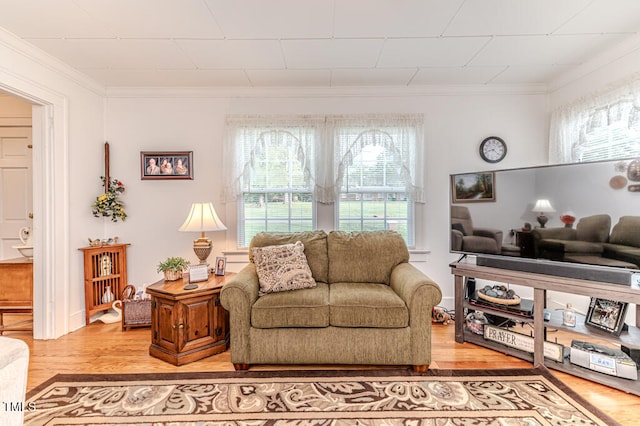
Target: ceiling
{"x":318,"y":43}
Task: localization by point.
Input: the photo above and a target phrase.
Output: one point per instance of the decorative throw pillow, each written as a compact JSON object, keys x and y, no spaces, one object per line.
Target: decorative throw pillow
{"x":282,"y":267}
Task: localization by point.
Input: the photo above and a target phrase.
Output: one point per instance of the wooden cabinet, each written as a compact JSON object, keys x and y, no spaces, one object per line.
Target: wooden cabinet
{"x":16,"y":292}
{"x":540,"y":284}
{"x":524,"y":240}
{"x":187,"y":325}
{"x":105,"y":276}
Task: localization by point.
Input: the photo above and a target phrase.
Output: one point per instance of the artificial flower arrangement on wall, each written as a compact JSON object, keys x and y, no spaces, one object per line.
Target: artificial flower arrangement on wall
{"x":108,"y":204}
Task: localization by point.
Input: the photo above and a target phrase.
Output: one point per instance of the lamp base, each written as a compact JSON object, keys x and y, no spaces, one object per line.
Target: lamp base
{"x":202,"y":248}
{"x":542,"y":220}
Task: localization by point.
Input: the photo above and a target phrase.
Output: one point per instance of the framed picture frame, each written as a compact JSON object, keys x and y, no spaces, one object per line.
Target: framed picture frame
{"x":473,"y":187}
{"x":606,"y":315}
{"x":198,"y":273}
{"x":156,"y":165}
{"x":220,"y":265}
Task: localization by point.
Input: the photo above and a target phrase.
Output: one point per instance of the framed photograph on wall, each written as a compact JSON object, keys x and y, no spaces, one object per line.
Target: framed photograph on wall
{"x":607,"y":315}
{"x":473,"y":187}
{"x":166,"y":165}
{"x":220,"y":265}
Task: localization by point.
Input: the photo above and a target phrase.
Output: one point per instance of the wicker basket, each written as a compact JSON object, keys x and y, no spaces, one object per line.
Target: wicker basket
{"x":135,"y":313}
{"x":171,"y":275}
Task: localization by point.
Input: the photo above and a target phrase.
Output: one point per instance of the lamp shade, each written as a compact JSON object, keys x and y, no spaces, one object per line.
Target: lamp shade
{"x":543,"y":206}
{"x":201,"y":218}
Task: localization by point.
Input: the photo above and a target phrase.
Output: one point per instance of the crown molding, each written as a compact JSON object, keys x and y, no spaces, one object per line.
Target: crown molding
{"x":33,"y":53}
{"x":324,"y":92}
{"x":626,"y":47}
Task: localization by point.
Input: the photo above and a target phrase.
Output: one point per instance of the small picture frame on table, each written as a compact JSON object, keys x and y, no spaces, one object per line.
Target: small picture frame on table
{"x":220,"y":265}
{"x":198,"y":273}
{"x":606,"y":315}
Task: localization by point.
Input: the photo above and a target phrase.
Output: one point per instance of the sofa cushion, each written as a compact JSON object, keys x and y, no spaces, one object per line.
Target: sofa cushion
{"x":364,"y":257}
{"x":315,"y":248}
{"x":366,"y":305}
{"x":626,"y":232}
{"x":282,"y":268}
{"x":571,"y":246}
{"x":308,"y":307}
{"x":594,"y":228}
{"x":623,"y":253}
{"x":479,"y":244}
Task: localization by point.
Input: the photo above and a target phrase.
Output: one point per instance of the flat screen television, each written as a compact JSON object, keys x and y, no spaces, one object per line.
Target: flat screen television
{"x":590,"y":229}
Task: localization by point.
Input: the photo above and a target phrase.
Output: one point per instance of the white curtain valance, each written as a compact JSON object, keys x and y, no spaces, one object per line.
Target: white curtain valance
{"x":325,"y":146}
{"x":245,"y":138}
{"x":571,"y":124}
{"x":400,"y":134}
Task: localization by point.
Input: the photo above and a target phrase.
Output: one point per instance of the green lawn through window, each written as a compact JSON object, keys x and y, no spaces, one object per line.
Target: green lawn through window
{"x":350,"y":219}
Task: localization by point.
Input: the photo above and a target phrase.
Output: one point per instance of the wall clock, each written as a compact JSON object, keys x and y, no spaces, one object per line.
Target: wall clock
{"x":493,"y":149}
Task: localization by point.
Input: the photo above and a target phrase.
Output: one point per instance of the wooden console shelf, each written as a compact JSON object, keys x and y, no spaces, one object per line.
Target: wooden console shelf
{"x":540,"y":284}
{"x":105,"y":276}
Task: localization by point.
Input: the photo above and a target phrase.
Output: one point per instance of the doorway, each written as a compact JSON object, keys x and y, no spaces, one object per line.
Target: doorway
{"x":50,"y":208}
{"x":16,"y":214}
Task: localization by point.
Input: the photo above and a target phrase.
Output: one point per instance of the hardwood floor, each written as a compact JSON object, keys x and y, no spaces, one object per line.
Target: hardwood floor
{"x":104,"y":348}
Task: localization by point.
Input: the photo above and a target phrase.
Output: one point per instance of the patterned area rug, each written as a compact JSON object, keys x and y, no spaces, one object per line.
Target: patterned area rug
{"x":368,"y":397}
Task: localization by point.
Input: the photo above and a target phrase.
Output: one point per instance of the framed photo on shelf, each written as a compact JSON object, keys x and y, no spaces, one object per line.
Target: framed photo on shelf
{"x":166,"y":165}
{"x":606,"y":315}
{"x":473,"y":187}
{"x":220,"y":266}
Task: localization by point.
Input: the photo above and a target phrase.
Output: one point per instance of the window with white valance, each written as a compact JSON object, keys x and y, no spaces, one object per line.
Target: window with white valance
{"x":603,"y":126}
{"x":271,"y":173}
{"x":377,"y":171}
{"x":278,"y":168}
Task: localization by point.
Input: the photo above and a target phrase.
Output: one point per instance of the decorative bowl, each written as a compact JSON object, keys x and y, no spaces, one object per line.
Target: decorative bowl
{"x":26,"y":251}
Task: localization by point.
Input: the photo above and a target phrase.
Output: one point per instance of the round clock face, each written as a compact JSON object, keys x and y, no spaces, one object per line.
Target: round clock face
{"x":493,"y":149}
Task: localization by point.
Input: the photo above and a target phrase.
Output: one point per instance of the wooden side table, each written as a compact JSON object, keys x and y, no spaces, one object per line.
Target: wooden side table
{"x":188,"y":325}
{"x":16,"y":292}
{"x":524,"y":240}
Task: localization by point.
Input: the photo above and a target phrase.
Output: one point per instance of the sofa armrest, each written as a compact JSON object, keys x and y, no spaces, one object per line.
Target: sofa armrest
{"x":421,"y":294}
{"x":456,"y":240}
{"x":416,"y":289}
{"x":238,"y":296}
{"x":245,"y":287}
{"x":540,"y":234}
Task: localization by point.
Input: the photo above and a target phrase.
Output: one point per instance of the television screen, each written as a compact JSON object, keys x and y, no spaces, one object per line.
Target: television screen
{"x":572,"y":214}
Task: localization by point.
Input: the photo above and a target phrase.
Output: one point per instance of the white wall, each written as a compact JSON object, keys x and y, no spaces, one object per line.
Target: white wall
{"x":456,"y":120}
{"x":455,"y":124}
{"x":67,"y":138}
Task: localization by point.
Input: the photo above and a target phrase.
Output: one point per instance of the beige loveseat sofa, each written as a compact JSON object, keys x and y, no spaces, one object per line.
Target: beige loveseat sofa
{"x":587,"y":238}
{"x":369,"y":305}
{"x":591,"y":240}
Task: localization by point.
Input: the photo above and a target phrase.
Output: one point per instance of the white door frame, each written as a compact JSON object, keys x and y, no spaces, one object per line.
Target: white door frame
{"x":51,"y":267}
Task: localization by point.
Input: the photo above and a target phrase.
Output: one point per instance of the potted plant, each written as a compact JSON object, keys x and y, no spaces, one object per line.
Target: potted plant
{"x":173,"y":268}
